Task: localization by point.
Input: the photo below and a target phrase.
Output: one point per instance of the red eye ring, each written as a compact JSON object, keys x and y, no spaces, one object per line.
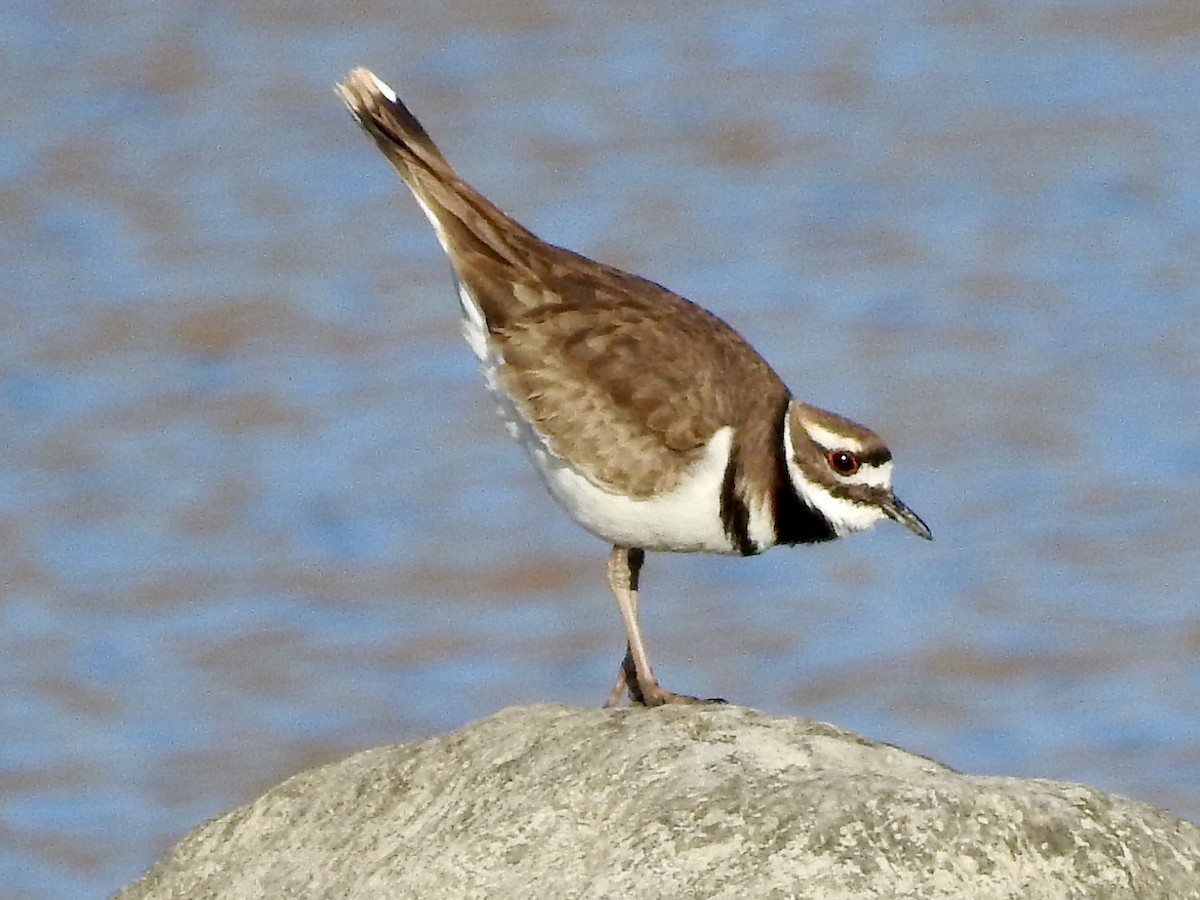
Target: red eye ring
{"x":843,"y":462}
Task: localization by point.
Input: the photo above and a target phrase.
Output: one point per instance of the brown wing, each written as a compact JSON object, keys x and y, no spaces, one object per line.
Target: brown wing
{"x":624,"y":372}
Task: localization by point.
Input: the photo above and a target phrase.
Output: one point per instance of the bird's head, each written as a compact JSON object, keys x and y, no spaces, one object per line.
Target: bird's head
{"x":843,"y":471}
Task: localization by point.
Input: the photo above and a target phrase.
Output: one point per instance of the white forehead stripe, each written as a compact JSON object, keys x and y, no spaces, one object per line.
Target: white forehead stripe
{"x":831,"y":440}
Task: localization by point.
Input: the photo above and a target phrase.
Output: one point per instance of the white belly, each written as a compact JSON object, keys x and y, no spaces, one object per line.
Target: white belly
{"x":685,"y":519}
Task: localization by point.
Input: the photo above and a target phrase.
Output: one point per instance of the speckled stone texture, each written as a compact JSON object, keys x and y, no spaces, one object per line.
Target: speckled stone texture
{"x":678,"y":802}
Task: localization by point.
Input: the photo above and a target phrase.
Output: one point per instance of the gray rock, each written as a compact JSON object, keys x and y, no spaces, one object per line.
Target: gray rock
{"x":680,"y":802}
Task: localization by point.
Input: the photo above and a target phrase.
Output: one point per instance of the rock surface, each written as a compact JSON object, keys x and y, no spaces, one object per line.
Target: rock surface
{"x":680,"y":802}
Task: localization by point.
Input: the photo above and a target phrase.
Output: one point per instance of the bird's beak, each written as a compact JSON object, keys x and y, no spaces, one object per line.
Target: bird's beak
{"x":895,"y":509}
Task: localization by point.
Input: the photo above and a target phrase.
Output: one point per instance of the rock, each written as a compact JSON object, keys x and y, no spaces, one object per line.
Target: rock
{"x":679,"y":802}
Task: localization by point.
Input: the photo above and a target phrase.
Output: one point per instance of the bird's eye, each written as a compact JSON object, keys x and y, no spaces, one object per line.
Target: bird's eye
{"x":843,"y":462}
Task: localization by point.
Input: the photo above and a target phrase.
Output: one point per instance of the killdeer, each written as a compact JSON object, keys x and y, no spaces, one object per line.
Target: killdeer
{"x":649,"y":419}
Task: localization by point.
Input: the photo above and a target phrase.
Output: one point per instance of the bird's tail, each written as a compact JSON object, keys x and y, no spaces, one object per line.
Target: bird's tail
{"x":462,"y":218}
{"x":395,"y":130}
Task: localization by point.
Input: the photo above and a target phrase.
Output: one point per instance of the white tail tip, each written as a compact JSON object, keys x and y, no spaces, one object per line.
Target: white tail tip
{"x":380,"y":85}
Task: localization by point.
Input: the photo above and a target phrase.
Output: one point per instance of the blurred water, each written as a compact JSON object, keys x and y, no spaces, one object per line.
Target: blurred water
{"x":256,"y":512}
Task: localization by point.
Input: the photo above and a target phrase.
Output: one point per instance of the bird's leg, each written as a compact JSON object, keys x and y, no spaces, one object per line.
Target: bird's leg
{"x":627,"y":672}
{"x":626,"y":675}
{"x":624,"y":565}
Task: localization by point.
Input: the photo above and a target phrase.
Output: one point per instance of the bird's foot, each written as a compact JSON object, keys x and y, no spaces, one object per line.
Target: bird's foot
{"x":656,"y":695}
{"x":644,"y":689}
{"x":652,"y":694}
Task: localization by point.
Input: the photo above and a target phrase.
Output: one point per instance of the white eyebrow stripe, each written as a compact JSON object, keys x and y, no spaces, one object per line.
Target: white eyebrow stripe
{"x":831,"y":440}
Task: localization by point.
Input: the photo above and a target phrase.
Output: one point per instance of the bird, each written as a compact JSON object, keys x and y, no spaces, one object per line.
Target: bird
{"x":649,"y":419}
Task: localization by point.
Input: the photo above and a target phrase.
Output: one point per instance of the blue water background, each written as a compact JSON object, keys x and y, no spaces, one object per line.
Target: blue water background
{"x":256,"y":511}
